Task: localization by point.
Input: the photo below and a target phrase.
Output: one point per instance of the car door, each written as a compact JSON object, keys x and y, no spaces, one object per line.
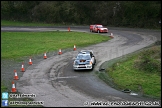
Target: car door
{"x":93,"y":28}
{"x":96,"y":28}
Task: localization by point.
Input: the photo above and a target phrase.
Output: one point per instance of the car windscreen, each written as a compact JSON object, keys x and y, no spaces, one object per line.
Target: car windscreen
{"x":100,"y":26}
{"x":83,"y":56}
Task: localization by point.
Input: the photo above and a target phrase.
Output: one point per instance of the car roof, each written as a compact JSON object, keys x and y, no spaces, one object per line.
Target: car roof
{"x":85,"y":51}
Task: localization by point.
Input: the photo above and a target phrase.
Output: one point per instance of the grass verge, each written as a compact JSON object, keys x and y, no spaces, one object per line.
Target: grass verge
{"x":19,"y":44}
{"x":141,"y":76}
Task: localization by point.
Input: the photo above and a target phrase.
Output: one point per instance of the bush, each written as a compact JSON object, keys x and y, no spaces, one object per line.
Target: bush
{"x":149,"y":60}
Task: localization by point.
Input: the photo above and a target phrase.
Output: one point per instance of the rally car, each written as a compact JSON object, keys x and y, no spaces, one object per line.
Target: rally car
{"x":84,"y":60}
{"x":98,"y":28}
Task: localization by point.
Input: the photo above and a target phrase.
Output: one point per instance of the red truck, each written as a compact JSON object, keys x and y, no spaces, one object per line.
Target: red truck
{"x":98,"y":28}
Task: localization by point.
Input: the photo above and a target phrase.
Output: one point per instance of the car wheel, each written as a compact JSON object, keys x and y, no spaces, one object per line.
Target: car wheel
{"x":98,"y":31}
{"x":95,"y":62}
{"x":92,"y":67}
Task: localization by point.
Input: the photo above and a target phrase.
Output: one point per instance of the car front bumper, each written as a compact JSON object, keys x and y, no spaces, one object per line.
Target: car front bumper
{"x":82,"y":67}
{"x":104,"y":31}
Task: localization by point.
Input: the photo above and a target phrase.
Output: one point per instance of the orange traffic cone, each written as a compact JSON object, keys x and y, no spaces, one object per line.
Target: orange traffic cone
{"x":30,"y":62}
{"x":60,"y":52}
{"x":15,"y":77}
{"x":45,"y":56}
{"x":74,"y":48}
{"x":68,"y":28}
{"x":111,"y":35}
{"x":13,"y":87}
{"x":22,"y":68}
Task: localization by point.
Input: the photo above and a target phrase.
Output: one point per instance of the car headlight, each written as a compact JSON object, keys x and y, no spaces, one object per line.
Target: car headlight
{"x":90,"y":62}
{"x":75,"y":63}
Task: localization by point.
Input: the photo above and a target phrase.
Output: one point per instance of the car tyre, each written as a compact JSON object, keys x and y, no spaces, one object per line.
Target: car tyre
{"x":95,"y":62}
{"x":92,"y":67}
{"x":98,"y":31}
{"x":75,"y":70}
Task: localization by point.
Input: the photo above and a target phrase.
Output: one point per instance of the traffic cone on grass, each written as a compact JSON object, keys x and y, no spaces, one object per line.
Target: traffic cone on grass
{"x":60,"y":52}
{"x":15,"y":77}
{"x":74,"y":47}
{"x":45,"y":56}
{"x":30,"y":61}
{"x":13,"y":87}
{"x":22,"y":68}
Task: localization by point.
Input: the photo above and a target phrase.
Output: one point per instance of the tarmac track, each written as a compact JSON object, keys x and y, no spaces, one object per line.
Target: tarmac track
{"x":54,"y":81}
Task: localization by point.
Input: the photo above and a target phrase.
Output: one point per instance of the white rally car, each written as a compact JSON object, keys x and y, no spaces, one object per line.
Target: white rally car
{"x":84,"y":60}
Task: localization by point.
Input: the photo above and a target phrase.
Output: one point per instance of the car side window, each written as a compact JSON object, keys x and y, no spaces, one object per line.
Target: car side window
{"x":91,"y":54}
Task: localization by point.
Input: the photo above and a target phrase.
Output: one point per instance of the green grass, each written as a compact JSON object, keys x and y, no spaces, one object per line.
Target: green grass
{"x":124,"y":74}
{"x":19,"y":44}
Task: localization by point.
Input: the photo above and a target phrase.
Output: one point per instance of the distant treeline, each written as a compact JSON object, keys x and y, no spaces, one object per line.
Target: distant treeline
{"x":140,"y":14}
